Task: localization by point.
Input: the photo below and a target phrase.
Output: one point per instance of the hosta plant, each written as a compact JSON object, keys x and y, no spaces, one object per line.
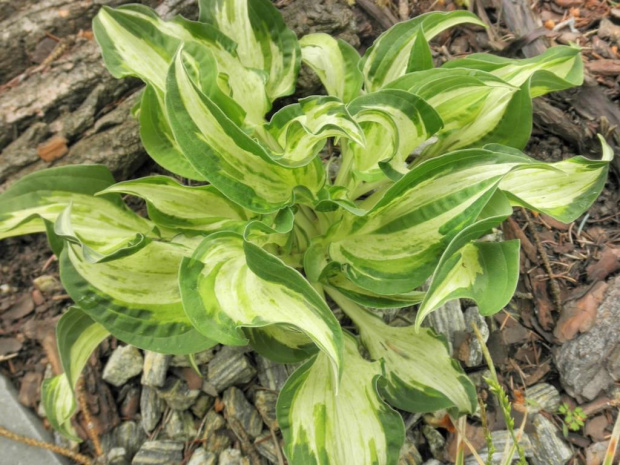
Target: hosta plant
{"x":378,"y":195}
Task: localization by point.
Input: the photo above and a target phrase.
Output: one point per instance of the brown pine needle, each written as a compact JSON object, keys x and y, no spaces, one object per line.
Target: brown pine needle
{"x":90,"y":426}
{"x":79,"y":458}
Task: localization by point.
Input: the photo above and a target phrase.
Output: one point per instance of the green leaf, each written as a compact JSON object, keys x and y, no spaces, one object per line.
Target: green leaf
{"x":136,"y":298}
{"x":223,"y":153}
{"x":335,"y":62}
{"x":78,"y":336}
{"x":302,"y":129}
{"x":420,"y":374}
{"x":189,"y":209}
{"x":322,"y":425}
{"x":394,"y":122}
{"x":263,"y":40}
{"x":283,"y":345}
{"x":46,"y":196}
{"x":475,"y":107}
{"x":158,"y":140}
{"x":390,"y":56}
{"x":229,"y":284}
{"x":558,"y":68}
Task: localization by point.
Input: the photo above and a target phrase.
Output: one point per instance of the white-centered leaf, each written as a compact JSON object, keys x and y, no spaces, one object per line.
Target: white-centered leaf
{"x":223,"y":153}
{"x":335,"y":62}
{"x":263,"y":40}
{"x":323,"y":425}
{"x":228,"y":284}
{"x":78,"y":336}
{"x":136,"y":298}
{"x":391,"y":55}
{"x":189,"y":209}
{"x":420,"y":375}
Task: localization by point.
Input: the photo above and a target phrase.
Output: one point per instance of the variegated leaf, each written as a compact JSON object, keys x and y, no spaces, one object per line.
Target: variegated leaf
{"x":335,"y":62}
{"x":302,"y":129}
{"x":228,"y":284}
{"x":326,"y":422}
{"x":189,"y":209}
{"x":391,"y":55}
{"x":394,"y":122}
{"x":556,"y":69}
{"x":395,"y":246}
{"x":44,"y":196}
{"x":283,"y":345}
{"x":136,"y":298}
{"x":223,"y":153}
{"x":78,"y":336}
{"x":263,"y":40}
{"x":420,"y":374}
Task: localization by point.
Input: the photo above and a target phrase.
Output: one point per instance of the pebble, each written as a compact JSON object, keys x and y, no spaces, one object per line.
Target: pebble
{"x":159,"y":453}
{"x":409,"y":454}
{"x":448,"y":320}
{"x":436,"y":442}
{"x":548,"y":447}
{"x":608,"y":30}
{"x":500,"y":440}
{"x":202,"y":456}
{"x":265,"y":446}
{"x":433,"y":462}
{"x":202,"y":405}
{"x":265,"y":402}
{"x":177,"y":395}
{"x":229,"y":367}
{"x":237,"y":406}
{"x":151,"y":408}
{"x":271,"y":375}
{"x":124,"y":363}
{"x":213,"y":422}
{"x":179,"y":426}
{"x":217,"y":442}
{"x":47,"y":284}
{"x":117,"y":456}
{"x":129,"y":436}
{"x":543,"y":396}
{"x":200,"y":358}
{"x":155,"y":368}
{"x":232,"y":457}
{"x":473,"y":357}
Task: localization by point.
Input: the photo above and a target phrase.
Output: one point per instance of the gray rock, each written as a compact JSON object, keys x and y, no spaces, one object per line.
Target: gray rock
{"x":500,"y":440}
{"x":124,"y":363}
{"x":609,"y":30}
{"x":409,"y":454}
{"x":179,"y":426}
{"x":590,"y":363}
{"x":266,"y":447}
{"x":474,"y":355}
{"x":436,"y":442}
{"x":203,"y":403}
{"x":213,"y":422}
{"x":129,"y":436}
{"x":232,"y":457}
{"x":449,"y":321}
{"x":177,"y":395}
{"x":200,"y":358}
{"x":151,"y":408}
{"x":238,"y":407}
{"x":271,"y":375}
{"x":432,"y":462}
{"x":117,"y":456}
{"x":265,"y":402}
{"x":229,"y":367}
{"x":548,"y":445}
{"x":21,"y":421}
{"x":543,"y":396}
{"x":155,"y":368}
{"x":217,"y":442}
{"x":159,"y":453}
{"x":202,"y":456}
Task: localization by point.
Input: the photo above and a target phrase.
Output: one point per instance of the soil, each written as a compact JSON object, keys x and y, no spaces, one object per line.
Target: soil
{"x":563,"y":267}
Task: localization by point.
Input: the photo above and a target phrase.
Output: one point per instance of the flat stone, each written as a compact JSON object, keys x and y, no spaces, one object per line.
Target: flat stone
{"x":409,"y":454}
{"x":436,"y":442}
{"x":129,"y":436}
{"x":155,"y":369}
{"x":238,"y":407}
{"x":203,"y":403}
{"x":232,"y":457}
{"x":124,"y":363}
{"x":177,"y":395}
{"x":271,"y":375}
{"x":265,"y":403}
{"x":547,"y":443}
{"x":266,"y":447}
{"x":590,"y":363}
{"x":117,"y":456}
{"x":159,"y":453}
{"x":448,"y":320}
{"x":229,"y":367}
{"x":200,"y":358}
{"x":179,"y":426}
{"x":151,"y":408}
{"x":21,"y":421}
{"x":543,"y":396}
{"x":202,"y":456}
{"x":473,"y":356}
